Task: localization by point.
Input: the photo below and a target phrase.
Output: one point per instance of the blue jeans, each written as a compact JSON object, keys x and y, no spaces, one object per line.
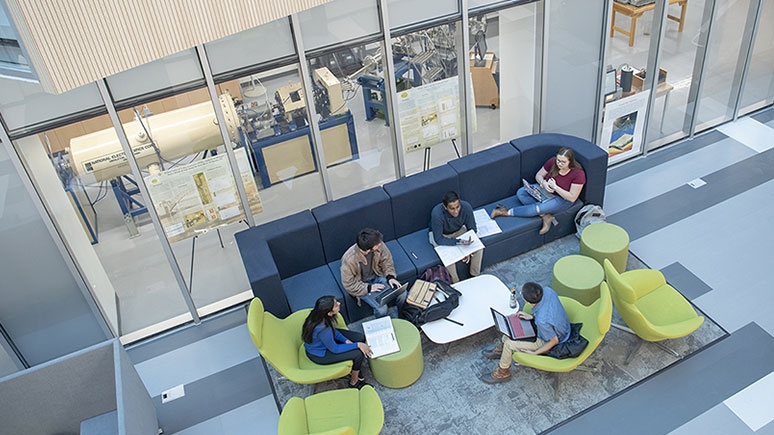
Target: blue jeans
{"x":382,"y":310}
{"x":533,"y":208}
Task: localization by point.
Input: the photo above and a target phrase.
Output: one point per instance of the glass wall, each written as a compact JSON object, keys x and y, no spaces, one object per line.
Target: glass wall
{"x":758,"y":88}
{"x":504,"y":63}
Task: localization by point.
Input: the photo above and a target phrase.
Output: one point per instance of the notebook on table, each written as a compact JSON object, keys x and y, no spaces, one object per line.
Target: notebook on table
{"x":389,"y":294}
{"x":537,"y":191}
{"x":514,"y":326}
{"x":380,"y":337}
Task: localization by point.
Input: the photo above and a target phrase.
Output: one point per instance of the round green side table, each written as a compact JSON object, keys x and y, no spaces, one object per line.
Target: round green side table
{"x":401,"y":369}
{"x":578,"y":277}
{"x":605,"y":240}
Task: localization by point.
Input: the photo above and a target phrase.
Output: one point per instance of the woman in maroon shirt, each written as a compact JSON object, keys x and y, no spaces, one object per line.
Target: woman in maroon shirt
{"x":561,"y":175}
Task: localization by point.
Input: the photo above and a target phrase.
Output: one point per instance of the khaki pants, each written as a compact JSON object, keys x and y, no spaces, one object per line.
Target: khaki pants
{"x":475,"y":258}
{"x":510,"y":346}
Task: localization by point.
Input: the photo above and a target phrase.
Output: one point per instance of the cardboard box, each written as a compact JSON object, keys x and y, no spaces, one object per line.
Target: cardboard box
{"x":638,"y":79}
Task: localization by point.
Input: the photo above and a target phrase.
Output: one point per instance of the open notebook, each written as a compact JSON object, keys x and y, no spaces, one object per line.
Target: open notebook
{"x":380,"y":337}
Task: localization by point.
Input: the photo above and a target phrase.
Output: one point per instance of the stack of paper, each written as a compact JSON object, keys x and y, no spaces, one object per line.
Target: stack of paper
{"x":486,"y":225}
{"x":452,"y":254}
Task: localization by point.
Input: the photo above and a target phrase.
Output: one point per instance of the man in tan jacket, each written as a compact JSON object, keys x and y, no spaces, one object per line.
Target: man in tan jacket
{"x":367,"y":269}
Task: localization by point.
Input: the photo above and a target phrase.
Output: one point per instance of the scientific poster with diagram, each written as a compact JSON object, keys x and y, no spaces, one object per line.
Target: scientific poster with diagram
{"x":201,"y":195}
{"x":429,"y":114}
{"x":624,"y":125}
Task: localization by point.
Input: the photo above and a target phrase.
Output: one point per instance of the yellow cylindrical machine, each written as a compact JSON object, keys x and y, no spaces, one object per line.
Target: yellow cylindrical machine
{"x":177,"y":133}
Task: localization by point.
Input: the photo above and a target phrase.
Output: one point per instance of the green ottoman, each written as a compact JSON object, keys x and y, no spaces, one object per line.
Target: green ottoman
{"x":403,"y":368}
{"x":605,"y":240}
{"x":578,"y":277}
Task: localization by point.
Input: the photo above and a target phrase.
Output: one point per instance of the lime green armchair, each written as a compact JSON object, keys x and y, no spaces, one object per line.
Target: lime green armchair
{"x":653,"y":309}
{"x":346,"y":411}
{"x":596,"y":322}
{"x":279,"y":342}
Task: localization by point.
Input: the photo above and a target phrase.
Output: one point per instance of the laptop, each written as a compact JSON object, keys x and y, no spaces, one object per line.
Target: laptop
{"x":514,"y":326}
{"x":380,"y":336}
{"x":537,"y":191}
{"x":389,"y":294}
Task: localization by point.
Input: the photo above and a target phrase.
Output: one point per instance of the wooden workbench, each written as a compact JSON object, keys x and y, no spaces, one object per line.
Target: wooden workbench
{"x":635,"y":12}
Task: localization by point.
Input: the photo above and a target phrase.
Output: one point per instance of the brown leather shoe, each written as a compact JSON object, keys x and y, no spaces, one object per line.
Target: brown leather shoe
{"x":548,"y":219}
{"x":500,"y":211}
{"x":493,"y":353}
{"x":498,"y":376}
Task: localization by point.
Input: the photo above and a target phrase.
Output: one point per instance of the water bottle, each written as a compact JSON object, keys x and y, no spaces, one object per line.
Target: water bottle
{"x":514,"y":302}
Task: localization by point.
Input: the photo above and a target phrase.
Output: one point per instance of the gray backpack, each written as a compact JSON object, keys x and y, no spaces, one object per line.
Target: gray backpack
{"x":589,"y":214}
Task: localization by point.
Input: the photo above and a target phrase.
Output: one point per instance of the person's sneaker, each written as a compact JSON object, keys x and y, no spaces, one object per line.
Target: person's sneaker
{"x":360,"y":384}
{"x":498,"y":376}
{"x":493,"y":353}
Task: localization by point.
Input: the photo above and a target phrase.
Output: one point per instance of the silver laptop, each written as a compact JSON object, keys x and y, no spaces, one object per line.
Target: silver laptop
{"x":537,"y":191}
{"x":389,"y":294}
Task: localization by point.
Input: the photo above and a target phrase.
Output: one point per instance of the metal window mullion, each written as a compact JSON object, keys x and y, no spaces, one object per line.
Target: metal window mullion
{"x":390,"y":94}
{"x":543,"y":70}
{"x":749,"y":32}
{"x":597,"y":132}
{"x":697,"y":84}
{"x":221,"y":117}
{"x":165,"y":245}
{"x":463,"y":73}
{"x":51,"y":226}
{"x":311,"y":112}
{"x":654,"y":58}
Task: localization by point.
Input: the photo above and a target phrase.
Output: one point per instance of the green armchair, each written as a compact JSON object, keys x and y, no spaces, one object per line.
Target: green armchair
{"x":653,"y":309}
{"x":346,"y":411}
{"x":279,"y":342}
{"x":596,"y":322}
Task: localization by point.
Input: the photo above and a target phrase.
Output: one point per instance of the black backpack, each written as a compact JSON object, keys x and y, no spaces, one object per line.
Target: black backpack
{"x":449,"y":300}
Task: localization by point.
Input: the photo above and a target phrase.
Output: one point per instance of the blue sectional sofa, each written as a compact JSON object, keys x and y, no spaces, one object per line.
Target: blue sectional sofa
{"x":294,"y":260}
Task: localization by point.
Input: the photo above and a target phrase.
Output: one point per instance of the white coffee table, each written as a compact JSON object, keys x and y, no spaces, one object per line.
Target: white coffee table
{"x":478,"y":295}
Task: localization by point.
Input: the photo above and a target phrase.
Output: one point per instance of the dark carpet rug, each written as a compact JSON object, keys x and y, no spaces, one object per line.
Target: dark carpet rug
{"x":449,"y":398}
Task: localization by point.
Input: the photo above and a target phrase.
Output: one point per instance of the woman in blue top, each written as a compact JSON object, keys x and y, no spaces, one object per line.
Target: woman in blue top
{"x":325,"y":344}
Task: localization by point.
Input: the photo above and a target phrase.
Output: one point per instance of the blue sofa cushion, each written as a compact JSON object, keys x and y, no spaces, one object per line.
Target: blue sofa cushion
{"x":414,"y":196}
{"x":489,"y":175}
{"x":538,"y":148}
{"x":420,"y":251}
{"x":305,"y":288}
{"x":295,"y":243}
{"x":339,"y":221}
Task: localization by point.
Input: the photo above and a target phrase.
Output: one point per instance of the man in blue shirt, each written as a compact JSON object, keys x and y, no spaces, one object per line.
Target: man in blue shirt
{"x":448,"y":221}
{"x":553,"y":327}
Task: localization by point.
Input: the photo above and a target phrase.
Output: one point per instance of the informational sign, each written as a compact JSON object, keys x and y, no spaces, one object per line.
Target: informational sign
{"x":623,"y":127}
{"x":429,"y":114}
{"x":201,"y":195}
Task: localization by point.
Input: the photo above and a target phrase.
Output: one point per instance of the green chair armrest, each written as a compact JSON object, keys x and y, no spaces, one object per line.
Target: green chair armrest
{"x":371,"y":412}
{"x":677,"y":330}
{"x":292,"y":421}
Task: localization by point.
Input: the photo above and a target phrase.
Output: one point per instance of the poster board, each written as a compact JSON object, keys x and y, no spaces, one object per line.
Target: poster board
{"x":429,"y":114}
{"x":202,"y":195}
{"x":623,"y":126}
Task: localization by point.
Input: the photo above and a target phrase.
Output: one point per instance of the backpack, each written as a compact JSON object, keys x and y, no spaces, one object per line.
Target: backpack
{"x":589,"y":214}
{"x":437,"y":273}
{"x":436,"y":311}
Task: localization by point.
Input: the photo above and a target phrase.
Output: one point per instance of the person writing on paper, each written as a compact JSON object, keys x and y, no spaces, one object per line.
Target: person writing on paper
{"x":561,"y":175}
{"x":552,"y":325}
{"x":448,"y":221}
{"x":326,"y":344}
{"x":367,"y":269}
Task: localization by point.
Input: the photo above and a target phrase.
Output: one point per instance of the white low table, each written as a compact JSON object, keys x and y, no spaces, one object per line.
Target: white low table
{"x":478,"y":295}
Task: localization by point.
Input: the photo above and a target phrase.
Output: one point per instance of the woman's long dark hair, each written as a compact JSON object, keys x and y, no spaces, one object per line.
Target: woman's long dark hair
{"x":566,"y":152}
{"x":319,"y":313}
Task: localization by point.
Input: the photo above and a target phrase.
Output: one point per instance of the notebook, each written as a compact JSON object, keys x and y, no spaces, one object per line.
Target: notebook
{"x":389,"y":294}
{"x":537,"y":191}
{"x":513,"y":326}
{"x":380,"y":337}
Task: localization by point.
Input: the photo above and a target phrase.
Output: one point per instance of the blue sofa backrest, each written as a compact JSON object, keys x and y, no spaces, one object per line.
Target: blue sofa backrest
{"x":339,"y":221}
{"x":537,"y":148}
{"x":488,"y":176}
{"x":295,"y":243}
{"x":414,"y":196}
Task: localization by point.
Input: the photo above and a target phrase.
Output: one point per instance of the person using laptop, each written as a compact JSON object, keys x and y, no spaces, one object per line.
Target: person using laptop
{"x":561,"y":176}
{"x":449,"y":220}
{"x":551,"y":322}
{"x":367,"y":270}
{"x":326,"y":344}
